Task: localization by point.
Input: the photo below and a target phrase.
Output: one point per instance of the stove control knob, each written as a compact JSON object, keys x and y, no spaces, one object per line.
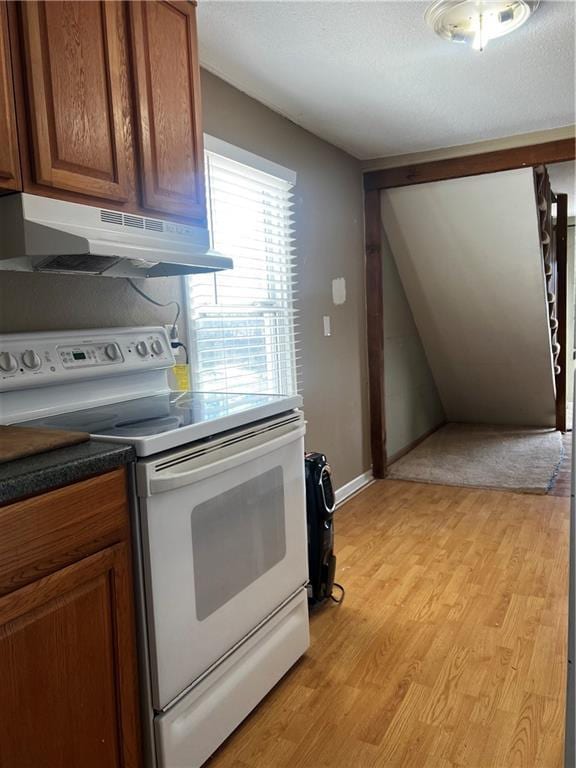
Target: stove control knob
{"x":142,"y":348}
{"x":157,"y":347}
{"x":8,"y":362}
{"x":31,"y":360}
{"x":111,"y":351}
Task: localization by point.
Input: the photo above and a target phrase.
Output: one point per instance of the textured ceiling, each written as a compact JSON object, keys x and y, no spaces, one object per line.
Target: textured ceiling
{"x":372,"y":78}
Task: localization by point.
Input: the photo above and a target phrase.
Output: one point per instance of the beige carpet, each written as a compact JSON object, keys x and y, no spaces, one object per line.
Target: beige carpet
{"x":511,"y":458}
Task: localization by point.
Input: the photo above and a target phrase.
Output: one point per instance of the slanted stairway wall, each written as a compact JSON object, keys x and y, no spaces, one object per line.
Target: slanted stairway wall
{"x":413,"y":405}
{"x":469,"y":256}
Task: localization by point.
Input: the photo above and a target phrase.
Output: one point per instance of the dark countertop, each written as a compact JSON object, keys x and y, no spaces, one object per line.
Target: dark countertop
{"x":52,"y":469}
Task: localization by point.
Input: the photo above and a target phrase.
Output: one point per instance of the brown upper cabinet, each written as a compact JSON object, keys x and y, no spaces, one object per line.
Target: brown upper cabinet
{"x":9,"y":156}
{"x":167,"y":86}
{"x":77,"y":85}
{"x":108,"y":104}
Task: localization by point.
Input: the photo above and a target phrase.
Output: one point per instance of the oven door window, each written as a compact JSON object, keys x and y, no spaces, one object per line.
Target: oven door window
{"x":236,"y":538}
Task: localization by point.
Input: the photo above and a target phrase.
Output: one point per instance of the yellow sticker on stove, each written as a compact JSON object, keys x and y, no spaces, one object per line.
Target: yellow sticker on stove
{"x":181,"y":373}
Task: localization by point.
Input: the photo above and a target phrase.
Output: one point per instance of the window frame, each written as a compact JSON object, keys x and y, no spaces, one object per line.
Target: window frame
{"x":258,"y":163}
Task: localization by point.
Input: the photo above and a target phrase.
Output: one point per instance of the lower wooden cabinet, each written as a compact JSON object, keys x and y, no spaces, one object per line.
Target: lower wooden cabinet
{"x":68,"y":669}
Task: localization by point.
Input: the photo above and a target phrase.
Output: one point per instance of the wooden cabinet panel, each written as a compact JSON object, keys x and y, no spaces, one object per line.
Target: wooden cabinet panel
{"x":78,"y":92}
{"x":43,"y":533}
{"x":9,"y":155}
{"x":165,"y":55}
{"x":68,"y":668}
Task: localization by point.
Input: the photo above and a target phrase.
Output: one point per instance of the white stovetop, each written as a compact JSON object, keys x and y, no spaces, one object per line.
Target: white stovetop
{"x":166,"y":421}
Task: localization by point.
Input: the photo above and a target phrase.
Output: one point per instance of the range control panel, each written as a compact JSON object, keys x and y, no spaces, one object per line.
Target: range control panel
{"x":52,"y":358}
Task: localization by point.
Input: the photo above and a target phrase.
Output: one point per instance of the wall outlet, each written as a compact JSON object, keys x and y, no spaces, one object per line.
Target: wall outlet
{"x":168,"y":327}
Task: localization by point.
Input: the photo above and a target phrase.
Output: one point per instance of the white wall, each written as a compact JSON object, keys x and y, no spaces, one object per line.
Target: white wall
{"x":469,"y":257}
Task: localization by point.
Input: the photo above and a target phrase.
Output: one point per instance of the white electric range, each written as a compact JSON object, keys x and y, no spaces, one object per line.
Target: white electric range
{"x":220,"y":521}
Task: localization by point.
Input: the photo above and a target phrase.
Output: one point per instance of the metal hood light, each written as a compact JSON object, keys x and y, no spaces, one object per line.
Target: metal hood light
{"x":39,"y":234}
{"x":476,"y":22}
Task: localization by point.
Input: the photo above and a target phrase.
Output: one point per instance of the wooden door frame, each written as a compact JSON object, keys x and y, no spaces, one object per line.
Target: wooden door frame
{"x":561,"y":247}
{"x":375,"y":331}
{"x":406,"y":175}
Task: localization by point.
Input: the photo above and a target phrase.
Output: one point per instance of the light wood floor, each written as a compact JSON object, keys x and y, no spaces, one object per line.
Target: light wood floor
{"x":449,"y":649}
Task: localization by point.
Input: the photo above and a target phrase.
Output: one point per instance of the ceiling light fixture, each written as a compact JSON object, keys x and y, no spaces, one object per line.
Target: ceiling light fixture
{"x":475,"y":22}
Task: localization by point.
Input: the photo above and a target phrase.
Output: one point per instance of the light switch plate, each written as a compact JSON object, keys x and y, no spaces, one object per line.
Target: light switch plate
{"x":339,"y":290}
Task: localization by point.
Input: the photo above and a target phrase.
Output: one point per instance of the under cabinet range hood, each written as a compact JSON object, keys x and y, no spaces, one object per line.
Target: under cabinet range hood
{"x":39,"y":234}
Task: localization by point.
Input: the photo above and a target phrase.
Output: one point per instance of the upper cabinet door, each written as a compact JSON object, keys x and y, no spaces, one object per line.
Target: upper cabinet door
{"x":165,"y":54}
{"x":78,"y":97}
{"x":9,"y":156}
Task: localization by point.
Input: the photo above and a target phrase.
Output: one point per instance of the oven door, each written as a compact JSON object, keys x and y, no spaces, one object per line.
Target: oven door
{"x":224,"y":536}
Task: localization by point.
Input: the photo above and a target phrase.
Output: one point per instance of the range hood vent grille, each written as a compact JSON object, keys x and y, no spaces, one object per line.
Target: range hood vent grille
{"x":130,"y":220}
{"x":83,"y":263}
{"x":154,"y":224}
{"x":111,"y":217}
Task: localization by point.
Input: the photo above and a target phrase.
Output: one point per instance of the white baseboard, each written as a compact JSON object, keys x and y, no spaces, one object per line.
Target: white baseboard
{"x":356,"y":484}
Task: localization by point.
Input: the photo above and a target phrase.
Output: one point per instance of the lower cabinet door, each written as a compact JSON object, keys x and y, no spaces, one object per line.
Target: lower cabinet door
{"x":68,"y":676}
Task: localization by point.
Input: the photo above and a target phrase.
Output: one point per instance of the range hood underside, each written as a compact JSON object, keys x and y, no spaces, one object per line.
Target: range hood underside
{"x":45,"y":235}
{"x":105,"y":266}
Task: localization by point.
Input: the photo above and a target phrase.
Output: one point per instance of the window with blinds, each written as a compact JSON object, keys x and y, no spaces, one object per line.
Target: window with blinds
{"x":242,"y":322}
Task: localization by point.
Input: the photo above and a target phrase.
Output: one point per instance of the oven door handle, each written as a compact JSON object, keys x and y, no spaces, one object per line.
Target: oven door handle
{"x":169,"y":479}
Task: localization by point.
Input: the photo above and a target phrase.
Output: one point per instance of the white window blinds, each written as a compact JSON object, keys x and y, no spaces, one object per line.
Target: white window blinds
{"x":243,"y":321}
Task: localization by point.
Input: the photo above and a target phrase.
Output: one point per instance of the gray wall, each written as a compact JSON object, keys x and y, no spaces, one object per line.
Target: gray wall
{"x":329,"y":228}
{"x":571,"y":314}
{"x":329,"y":241}
{"x":34,"y":302}
{"x":412,"y":403}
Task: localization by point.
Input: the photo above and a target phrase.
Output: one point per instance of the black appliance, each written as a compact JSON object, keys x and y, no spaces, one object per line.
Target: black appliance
{"x":320,"y":503}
